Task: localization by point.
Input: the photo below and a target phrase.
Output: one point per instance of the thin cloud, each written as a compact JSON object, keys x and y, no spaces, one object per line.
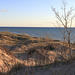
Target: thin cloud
{"x":4,"y":10}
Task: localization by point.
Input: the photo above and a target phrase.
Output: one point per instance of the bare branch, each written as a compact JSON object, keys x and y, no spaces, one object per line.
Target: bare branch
{"x":66,"y":19}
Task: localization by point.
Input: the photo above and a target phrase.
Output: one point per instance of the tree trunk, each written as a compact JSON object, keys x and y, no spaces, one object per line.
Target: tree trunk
{"x":69,"y":43}
{"x":64,"y":35}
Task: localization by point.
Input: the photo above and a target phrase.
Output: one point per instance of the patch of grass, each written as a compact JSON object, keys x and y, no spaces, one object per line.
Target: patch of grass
{"x":19,"y":52}
{"x":16,"y":67}
{"x":31,"y":51}
{"x":21,"y":38}
{"x":49,"y":47}
{"x":69,"y":61}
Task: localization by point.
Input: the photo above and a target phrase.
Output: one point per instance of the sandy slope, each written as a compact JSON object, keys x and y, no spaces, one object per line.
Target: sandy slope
{"x":38,"y":52}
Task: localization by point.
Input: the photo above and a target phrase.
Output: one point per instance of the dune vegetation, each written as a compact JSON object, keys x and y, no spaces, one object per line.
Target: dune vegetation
{"x":21,"y":54}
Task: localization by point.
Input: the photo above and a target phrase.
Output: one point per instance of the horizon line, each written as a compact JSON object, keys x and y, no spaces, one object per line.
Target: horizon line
{"x":35,"y":27}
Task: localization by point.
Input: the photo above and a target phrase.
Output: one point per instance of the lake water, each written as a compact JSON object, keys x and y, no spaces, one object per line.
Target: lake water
{"x":51,"y":32}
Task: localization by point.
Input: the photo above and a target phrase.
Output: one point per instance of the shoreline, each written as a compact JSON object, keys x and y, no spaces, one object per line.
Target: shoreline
{"x":53,"y":33}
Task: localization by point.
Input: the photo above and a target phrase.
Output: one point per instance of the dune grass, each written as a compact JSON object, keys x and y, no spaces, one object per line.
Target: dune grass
{"x":45,"y":52}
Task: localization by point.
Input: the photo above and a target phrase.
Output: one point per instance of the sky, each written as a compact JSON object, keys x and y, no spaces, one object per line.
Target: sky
{"x":29,"y":13}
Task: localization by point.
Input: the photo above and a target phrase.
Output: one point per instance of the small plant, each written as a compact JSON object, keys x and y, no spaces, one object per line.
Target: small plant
{"x":31,"y":51}
{"x":49,"y":47}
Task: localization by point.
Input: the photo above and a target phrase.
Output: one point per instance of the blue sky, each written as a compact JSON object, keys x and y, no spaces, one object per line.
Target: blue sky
{"x":29,"y":13}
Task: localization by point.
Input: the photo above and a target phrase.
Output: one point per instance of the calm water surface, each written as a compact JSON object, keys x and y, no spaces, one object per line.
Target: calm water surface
{"x":51,"y":32}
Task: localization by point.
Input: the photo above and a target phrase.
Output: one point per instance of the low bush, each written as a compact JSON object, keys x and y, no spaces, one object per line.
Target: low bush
{"x":49,"y":47}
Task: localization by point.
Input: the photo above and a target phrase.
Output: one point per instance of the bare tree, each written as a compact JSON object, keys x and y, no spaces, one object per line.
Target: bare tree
{"x":65,"y":18}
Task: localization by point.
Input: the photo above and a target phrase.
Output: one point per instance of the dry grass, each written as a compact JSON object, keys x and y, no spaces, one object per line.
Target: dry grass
{"x":39,"y":52}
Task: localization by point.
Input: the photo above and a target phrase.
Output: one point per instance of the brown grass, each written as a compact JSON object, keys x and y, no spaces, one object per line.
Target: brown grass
{"x":39,"y":51}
